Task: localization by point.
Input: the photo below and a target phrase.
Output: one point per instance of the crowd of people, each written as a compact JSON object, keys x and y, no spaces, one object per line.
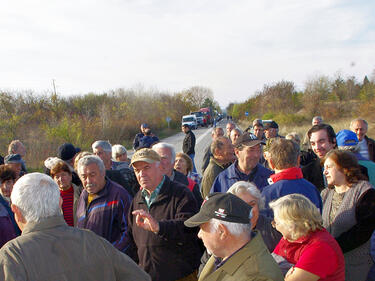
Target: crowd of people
{"x":263,"y":207}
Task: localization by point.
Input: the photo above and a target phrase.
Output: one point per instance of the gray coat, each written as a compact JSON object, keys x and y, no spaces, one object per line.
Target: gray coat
{"x":358,"y":261}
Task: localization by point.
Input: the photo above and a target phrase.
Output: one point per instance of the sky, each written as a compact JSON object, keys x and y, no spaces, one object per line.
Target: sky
{"x":231,"y":47}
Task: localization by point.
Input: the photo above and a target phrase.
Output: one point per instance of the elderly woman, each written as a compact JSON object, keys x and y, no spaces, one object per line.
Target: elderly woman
{"x":69,"y":192}
{"x":8,"y":225}
{"x":349,"y":211}
{"x":184,"y":165}
{"x":119,"y":157}
{"x":313,"y":252}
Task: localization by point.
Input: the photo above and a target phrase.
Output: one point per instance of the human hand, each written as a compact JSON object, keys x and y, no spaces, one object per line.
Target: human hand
{"x":146,"y":221}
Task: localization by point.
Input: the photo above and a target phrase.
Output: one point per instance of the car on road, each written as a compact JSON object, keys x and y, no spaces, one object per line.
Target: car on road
{"x":190,"y":120}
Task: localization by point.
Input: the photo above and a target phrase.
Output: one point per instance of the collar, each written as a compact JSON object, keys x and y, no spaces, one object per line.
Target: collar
{"x":45,"y":223}
{"x":293,"y":173}
{"x":150,"y":198}
{"x":243,"y":175}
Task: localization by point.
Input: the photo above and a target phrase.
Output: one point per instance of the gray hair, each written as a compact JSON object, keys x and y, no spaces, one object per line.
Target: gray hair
{"x":91,"y":159}
{"x":105,"y":145}
{"x":14,"y":146}
{"x":243,"y":186}
{"x":236,"y":229}
{"x":358,"y":120}
{"x":168,"y":146}
{"x":294,"y":136}
{"x":318,"y":118}
{"x":118,"y":150}
{"x":37,"y":196}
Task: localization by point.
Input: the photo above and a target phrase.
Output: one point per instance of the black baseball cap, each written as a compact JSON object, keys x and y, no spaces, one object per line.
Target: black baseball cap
{"x":221,"y":206}
{"x":67,"y":151}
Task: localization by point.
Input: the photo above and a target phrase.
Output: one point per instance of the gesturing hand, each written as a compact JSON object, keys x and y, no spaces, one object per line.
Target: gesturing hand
{"x":146,"y":221}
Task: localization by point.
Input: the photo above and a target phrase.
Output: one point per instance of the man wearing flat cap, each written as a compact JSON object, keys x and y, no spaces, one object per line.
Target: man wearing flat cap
{"x":271,"y":130}
{"x":238,"y":253}
{"x":247,"y":149}
{"x":162,"y":245}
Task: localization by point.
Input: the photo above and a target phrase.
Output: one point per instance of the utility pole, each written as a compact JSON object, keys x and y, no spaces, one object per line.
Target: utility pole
{"x":54,"y":86}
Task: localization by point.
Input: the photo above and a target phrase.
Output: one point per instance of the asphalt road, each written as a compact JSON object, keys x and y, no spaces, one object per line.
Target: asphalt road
{"x":203,"y":139}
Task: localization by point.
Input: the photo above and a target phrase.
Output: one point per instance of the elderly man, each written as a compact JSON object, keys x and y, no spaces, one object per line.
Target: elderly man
{"x":288,"y":177}
{"x":246,"y":168}
{"x":103,"y":204}
{"x":17,"y":147}
{"x":322,"y":139}
{"x":271,"y":130}
{"x":166,"y":249}
{"x":316,"y":120}
{"x":167,"y":158}
{"x":15,"y":162}
{"x":366,"y":145}
{"x":223,"y":156}
{"x":215,"y":133}
{"x":125,"y":178}
{"x":229,"y":127}
{"x":238,"y":253}
{"x":48,"y":249}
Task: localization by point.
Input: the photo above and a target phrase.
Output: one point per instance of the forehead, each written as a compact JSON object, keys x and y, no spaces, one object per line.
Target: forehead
{"x":319,"y":135}
{"x":141,"y":164}
{"x":89,"y":168}
{"x":329,"y":162}
{"x":359,"y":124}
{"x":163,"y":152}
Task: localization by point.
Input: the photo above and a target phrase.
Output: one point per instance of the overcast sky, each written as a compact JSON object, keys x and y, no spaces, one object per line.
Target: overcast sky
{"x":233,"y":47}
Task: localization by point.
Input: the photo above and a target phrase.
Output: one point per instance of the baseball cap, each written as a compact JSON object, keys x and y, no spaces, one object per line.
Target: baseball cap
{"x":67,"y":151}
{"x":146,"y":155}
{"x":13,"y":159}
{"x":248,"y":139}
{"x":272,"y":124}
{"x":144,"y":125}
{"x":346,"y":138}
{"x":221,"y":206}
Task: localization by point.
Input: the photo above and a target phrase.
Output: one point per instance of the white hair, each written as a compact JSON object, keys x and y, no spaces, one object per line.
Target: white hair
{"x":37,"y":196}
{"x":105,"y":145}
{"x":168,"y":146}
{"x":91,"y":159}
{"x":243,"y":186}
{"x":118,"y":150}
{"x":236,"y":229}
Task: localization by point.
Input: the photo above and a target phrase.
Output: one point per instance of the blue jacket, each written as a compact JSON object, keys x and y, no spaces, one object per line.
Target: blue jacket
{"x":231,"y":175}
{"x":285,"y":187}
{"x":106,"y":215}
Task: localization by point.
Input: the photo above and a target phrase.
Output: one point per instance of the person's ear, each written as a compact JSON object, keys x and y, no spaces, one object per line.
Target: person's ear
{"x":270,"y":163}
{"x":223,"y":231}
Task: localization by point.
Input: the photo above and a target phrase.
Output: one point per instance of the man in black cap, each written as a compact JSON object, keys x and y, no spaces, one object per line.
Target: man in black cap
{"x":15,"y":162}
{"x":271,"y":130}
{"x":67,"y":153}
{"x":237,"y":251}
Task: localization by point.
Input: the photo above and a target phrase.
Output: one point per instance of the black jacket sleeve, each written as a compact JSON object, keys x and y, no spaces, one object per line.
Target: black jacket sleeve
{"x":361,"y":232}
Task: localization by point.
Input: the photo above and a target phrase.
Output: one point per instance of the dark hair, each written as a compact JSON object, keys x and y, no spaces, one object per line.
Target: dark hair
{"x":347,"y":163}
{"x":60,"y":167}
{"x":186,"y":126}
{"x":322,"y":126}
{"x":6,"y":173}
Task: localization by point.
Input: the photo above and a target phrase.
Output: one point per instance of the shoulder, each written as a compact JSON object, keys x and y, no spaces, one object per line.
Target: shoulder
{"x":117,"y":190}
{"x":369,"y":140}
{"x":263,"y":171}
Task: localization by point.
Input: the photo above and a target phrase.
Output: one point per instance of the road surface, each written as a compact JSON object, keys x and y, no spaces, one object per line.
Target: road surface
{"x":203,"y":139}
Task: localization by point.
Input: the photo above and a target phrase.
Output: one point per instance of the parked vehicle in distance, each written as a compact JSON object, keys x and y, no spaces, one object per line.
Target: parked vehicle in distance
{"x":200,"y":121}
{"x":190,"y":120}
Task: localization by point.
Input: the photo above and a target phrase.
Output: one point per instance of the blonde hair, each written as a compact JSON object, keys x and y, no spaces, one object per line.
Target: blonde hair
{"x":79,"y":156}
{"x":297,"y":213}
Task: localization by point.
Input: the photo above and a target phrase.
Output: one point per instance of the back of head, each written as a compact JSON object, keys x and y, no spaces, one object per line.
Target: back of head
{"x":284,"y":153}
{"x":37,"y":197}
{"x":297,"y":213}
{"x":105,"y":145}
{"x":15,"y":146}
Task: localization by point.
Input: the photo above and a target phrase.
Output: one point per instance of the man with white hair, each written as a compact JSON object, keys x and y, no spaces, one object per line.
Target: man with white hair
{"x":167,"y":158}
{"x":164,"y":247}
{"x":366,"y":144}
{"x":238,"y":253}
{"x":103,"y":204}
{"x":316,"y":120}
{"x":125,"y":178}
{"x":48,"y":249}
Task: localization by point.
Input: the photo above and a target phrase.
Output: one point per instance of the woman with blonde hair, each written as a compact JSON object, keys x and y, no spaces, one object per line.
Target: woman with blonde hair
{"x":313,"y":252}
{"x":349,"y":211}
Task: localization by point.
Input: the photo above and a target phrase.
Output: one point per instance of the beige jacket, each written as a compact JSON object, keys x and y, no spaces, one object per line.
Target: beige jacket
{"x":51,"y":250}
{"x":252,"y":262}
